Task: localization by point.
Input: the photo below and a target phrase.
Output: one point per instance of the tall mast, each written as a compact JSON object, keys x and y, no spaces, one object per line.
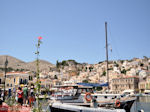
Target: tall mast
{"x":107,"y":73}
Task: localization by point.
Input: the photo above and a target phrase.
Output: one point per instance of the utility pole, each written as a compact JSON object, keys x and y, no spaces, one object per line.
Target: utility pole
{"x":6,"y":63}
{"x":107,"y":55}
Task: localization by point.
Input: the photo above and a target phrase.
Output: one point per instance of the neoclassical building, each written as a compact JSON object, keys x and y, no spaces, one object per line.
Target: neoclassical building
{"x":14,"y":79}
{"x":125,"y":83}
{"x":144,"y":84}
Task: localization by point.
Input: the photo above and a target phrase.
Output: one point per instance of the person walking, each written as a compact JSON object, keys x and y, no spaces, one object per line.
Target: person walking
{"x":25,"y":94}
{"x":20,"y":96}
{"x":32,"y":96}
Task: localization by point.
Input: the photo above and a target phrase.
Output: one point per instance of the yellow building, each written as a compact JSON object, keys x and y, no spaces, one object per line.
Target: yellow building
{"x":144,"y":84}
{"x":15,"y":79}
{"x":124,"y":83}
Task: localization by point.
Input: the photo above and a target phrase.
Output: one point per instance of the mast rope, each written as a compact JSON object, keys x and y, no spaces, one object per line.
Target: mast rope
{"x":112,"y":39}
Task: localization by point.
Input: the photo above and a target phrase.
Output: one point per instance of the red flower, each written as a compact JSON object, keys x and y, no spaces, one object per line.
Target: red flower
{"x":40,"y":38}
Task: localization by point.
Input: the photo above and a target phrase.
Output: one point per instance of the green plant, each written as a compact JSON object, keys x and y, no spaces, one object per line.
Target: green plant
{"x":73,"y":61}
{"x":64,"y":63}
{"x":9,"y":69}
{"x":55,"y":77}
{"x":85,"y":81}
{"x":116,"y":64}
{"x":121,"y":61}
{"x":90,"y":68}
{"x":100,"y":62}
{"x":57,"y":64}
{"x":104,"y":73}
{"x":123,"y":71}
{"x":98,"y":88}
{"x":110,"y":68}
{"x":145,"y":57}
{"x":38,"y":83}
{"x":12,"y":104}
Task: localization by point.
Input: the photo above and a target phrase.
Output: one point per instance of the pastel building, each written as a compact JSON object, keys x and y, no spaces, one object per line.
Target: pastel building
{"x":144,"y":84}
{"x":125,"y":83}
{"x":14,"y":79}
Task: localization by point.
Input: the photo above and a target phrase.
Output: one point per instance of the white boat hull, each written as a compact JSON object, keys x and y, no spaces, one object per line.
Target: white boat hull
{"x":62,"y":107}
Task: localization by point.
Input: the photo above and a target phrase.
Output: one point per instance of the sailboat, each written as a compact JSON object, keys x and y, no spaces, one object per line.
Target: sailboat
{"x":108,"y":98}
{"x":104,"y":102}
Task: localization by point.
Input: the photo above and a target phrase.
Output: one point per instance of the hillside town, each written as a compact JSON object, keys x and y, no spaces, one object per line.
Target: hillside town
{"x":131,"y":74}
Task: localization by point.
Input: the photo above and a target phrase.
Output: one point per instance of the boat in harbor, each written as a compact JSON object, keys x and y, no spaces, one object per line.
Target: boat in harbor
{"x":146,"y":93}
{"x":70,"y":98}
{"x":107,"y":97}
{"x":72,"y":95}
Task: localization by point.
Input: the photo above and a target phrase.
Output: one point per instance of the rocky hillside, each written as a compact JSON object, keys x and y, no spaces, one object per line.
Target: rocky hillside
{"x":43,"y":65}
{"x":16,"y":64}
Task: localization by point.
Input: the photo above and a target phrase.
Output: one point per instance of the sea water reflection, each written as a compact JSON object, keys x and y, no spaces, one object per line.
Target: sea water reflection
{"x":141,"y":103}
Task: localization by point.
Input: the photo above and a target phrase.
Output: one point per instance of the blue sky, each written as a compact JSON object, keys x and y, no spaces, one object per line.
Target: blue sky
{"x":75,"y":29}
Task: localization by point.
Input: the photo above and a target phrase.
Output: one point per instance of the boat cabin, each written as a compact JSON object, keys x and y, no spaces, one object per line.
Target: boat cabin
{"x":128,"y":92}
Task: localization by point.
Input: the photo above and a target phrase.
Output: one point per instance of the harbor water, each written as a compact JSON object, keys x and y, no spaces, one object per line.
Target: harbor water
{"x":142,"y":103}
